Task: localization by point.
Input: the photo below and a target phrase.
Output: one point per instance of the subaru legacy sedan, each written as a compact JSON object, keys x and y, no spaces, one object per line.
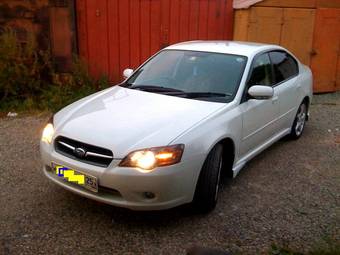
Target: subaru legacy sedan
{"x":191,"y":113}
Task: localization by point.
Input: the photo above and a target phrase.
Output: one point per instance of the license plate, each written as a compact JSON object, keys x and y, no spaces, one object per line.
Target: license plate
{"x":85,"y":180}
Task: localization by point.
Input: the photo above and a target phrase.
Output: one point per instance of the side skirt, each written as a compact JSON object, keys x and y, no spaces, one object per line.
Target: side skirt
{"x":241,"y":163}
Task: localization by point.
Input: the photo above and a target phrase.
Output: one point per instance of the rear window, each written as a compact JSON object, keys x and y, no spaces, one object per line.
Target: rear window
{"x":285,"y":66}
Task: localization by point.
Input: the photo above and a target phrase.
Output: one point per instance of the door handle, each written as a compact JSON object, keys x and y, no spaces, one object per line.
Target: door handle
{"x":274,"y":99}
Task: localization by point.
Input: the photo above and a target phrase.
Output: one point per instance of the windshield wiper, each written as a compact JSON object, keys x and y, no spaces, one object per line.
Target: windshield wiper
{"x":206,"y":94}
{"x":198,"y":94}
{"x":152,"y":88}
{"x":177,"y":92}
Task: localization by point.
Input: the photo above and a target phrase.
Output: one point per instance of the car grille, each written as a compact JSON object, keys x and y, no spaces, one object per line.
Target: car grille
{"x":83,"y":152}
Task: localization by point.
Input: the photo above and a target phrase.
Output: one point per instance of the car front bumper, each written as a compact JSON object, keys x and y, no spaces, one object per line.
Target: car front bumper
{"x":126,"y":187}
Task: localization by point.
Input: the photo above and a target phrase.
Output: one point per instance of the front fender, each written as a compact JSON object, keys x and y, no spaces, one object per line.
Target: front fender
{"x":201,"y":138}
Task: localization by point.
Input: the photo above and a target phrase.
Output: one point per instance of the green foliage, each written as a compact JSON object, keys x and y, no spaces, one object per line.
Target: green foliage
{"x":66,"y":89}
{"x":28,"y":81}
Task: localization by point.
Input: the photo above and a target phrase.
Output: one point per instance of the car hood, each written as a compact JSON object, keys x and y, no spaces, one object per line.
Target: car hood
{"x":124,"y":120}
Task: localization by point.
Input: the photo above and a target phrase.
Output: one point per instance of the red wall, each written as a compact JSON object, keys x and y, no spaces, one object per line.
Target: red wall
{"x":116,"y":34}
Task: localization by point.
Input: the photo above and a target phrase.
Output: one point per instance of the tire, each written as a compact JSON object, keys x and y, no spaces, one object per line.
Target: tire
{"x":207,"y":187}
{"x":299,"y":122}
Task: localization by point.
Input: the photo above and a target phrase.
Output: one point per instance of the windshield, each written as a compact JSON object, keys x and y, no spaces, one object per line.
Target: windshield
{"x":191,"y":74}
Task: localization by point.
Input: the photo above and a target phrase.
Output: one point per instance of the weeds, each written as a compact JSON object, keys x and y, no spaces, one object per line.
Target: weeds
{"x":28,"y":81}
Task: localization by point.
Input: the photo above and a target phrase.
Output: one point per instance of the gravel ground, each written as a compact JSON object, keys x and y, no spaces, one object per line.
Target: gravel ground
{"x":288,"y":196}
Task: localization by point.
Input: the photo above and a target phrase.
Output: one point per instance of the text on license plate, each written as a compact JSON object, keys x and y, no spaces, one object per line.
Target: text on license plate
{"x":87,"y":181}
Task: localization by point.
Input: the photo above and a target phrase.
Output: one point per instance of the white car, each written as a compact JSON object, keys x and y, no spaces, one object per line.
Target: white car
{"x":163,"y":137}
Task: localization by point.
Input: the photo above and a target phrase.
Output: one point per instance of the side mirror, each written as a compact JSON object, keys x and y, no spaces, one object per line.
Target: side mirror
{"x":261,"y":92}
{"x":127,"y":73}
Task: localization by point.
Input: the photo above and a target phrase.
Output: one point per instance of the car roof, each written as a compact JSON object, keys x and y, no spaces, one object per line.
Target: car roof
{"x":229,"y":47}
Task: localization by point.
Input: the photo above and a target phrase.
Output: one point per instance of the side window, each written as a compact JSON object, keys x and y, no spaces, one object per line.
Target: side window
{"x":284,"y":65}
{"x":261,"y":73}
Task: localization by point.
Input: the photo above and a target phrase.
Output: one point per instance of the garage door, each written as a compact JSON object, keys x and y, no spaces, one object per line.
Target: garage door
{"x":289,"y":27}
{"x":117,"y":34}
{"x":326,"y":59}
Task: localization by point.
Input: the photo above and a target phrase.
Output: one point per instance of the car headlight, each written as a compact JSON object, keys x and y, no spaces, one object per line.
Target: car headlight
{"x":147,"y":159}
{"x":48,"y":132}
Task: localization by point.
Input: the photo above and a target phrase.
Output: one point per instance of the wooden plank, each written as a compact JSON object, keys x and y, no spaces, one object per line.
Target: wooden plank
{"x":221,"y":12}
{"x":97,"y":39}
{"x":155,"y":26}
{"x":328,"y":3}
{"x":241,"y":24}
{"x":289,"y":3}
{"x":165,"y":19}
{"x":82,"y":29}
{"x":145,"y":29}
{"x":193,"y":20}
{"x":221,"y":19}
{"x":124,"y":34}
{"x":174,"y":21}
{"x":213,"y":14}
{"x":265,"y":25}
{"x":326,"y":47}
{"x":297,"y":32}
{"x":203,"y":20}
{"x":135,"y":39}
{"x":228,"y":21}
{"x":113,"y":33}
{"x":184,"y":20}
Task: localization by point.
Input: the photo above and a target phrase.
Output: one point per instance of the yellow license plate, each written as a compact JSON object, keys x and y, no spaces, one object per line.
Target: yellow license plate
{"x":85,"y":180}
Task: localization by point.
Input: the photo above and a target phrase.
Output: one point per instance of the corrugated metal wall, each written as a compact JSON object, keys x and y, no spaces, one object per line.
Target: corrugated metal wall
{"x":116,"y":34}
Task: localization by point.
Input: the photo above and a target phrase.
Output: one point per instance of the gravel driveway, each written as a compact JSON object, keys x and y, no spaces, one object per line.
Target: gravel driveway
{"x":288,"y":196}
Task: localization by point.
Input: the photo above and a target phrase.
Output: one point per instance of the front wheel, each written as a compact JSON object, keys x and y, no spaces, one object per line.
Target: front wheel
{"x":207,"y":187}
{"x":299,"y":121}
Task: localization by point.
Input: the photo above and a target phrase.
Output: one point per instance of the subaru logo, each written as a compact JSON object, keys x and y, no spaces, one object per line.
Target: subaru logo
{"x":79,"y":152}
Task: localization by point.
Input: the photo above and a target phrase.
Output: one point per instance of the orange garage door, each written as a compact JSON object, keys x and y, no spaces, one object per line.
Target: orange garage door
{"x":326,"y":59}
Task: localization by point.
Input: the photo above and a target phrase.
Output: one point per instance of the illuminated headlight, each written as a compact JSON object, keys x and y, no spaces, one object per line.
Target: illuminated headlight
{"x":148,"y":159}
{"x":48,"y":132}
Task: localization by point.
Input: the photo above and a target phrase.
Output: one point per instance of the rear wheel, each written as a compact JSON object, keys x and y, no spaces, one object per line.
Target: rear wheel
{"x":208,"y":184}
{"x":299,"y":122}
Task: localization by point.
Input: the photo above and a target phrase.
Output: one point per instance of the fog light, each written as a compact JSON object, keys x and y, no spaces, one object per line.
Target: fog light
{"x":149,"y":195}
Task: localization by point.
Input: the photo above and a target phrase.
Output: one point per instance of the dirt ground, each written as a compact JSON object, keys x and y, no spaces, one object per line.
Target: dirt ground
{"x":288,"y":196}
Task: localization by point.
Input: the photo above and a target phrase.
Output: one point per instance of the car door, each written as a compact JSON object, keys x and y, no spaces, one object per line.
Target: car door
{"x":286,"y":72}
{"x":259,"y":117}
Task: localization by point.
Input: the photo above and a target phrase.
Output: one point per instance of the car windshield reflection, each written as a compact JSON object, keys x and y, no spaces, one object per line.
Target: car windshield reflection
{"x":191,"y":74}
